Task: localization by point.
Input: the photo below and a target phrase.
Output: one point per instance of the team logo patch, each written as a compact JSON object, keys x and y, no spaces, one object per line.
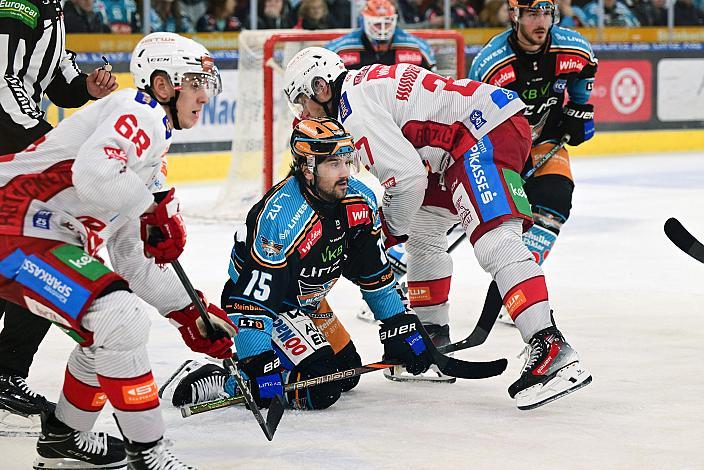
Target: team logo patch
{"x":52,"y":285}
{"x":560,"y":85}
{"x":502,"y":97}
{"x":311,"y":239}
{"x":144,"y":98}
{"x":269,"y":247}
{"x":41,"y":219}
{"x":358,"y":214}
{"x":477,"y":119}
{"x":485,"y":181}
{"x":312,"y":294}
{"x":345,"y":108}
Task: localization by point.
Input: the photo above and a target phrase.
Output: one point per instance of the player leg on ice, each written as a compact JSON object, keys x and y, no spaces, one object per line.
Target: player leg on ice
{"x":20,"y":407}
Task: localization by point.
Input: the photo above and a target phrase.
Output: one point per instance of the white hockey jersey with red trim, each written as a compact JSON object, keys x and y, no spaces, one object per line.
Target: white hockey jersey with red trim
{"x":88,"y":181}
{"x":407,"y":120}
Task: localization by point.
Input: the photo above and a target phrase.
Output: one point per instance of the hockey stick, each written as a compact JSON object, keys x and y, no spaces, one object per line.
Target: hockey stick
{"x":684,"y":240}
{"x":493,"y":301}
{"x":277,"y":407}
{"x":190,"y":410}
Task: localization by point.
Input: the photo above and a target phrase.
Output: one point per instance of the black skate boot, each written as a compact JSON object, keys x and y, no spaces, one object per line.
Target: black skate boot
{"x":440,"y":336}
{"x":20,"y":407}
{"x":62,"y":447}
{"x":552,"y":370}
{"x":203,"y":384}
{"x":152,"y":456}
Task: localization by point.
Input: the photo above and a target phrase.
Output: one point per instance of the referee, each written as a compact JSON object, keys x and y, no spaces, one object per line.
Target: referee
{"x":33,"y":61}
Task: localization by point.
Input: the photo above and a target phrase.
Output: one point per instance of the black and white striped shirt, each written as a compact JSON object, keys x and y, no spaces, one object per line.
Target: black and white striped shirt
{"x":34,"y":61}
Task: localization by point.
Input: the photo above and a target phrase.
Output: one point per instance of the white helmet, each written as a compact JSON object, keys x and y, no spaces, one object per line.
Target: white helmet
{"x":306,"y":66}
{"x":176,"y":56}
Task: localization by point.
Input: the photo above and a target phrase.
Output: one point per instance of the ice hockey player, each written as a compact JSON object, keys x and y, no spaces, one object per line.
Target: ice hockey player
{"x":307,"y":231}
{"x":541,"y":61}
{"x":34,"y":62}
{"x":404,"y":119}
{"x":381,"y":41}
{"x":88,"y":184}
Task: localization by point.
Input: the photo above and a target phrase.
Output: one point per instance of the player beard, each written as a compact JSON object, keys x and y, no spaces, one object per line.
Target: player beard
{"x":336,"y":193}
{"x":528,"y":38}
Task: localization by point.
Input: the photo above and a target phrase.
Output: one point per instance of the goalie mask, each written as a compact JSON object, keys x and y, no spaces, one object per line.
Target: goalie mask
{"x":314,"y":140}
{"x":379,"y":17}
{"x":184,"y":61}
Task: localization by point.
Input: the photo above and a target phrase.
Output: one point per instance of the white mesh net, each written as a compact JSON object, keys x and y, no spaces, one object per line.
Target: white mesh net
{"x":245,"y":181}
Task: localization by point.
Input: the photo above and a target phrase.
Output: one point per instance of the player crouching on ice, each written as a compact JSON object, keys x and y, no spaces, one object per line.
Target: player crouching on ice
{"x":89,"y":183}
{"x":472,"y":134}
{"x":307,"y":231}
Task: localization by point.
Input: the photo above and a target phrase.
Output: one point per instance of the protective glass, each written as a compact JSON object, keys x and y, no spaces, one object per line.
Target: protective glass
{"x":534,"y":13}
{"x":210,"y":82}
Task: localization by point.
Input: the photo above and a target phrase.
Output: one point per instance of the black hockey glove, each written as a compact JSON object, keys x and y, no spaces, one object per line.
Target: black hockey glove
{"x":264,"y":374}
{"x":578,"y":122}
{"x":405,"y":340}
{"x":348,"y":358}
{"x":320,"y":396}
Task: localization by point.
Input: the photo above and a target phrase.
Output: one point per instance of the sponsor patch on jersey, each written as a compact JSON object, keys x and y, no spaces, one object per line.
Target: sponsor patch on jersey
{"x":54,"y":286}
{"x":361,"y":74}
{"x":465,"y":210}
{"x":310,"y":239}
{"x":287,"y":337}
{"x":42,"y":310}
{"x":116,"y":154}
{"x":350,"y":58}
{"x":140,"y":393}
{"x":405,"y":84}
{"x":21,"y":10}
{"x":41,"y":219}
{"x":81,"y":262}
{"x":568,"y":63}
{"x":485,"y":181}
{"x":514,"y":182}
{"x":251,"y":323}
{"x":502,"y":97}
{"x":408,"y":56}
{"x":358,"y":214}
{"x":144,"y":98}
{"x":269,"y":247}
{"x":477,"y":119}
{"x":419,"y":293}
{"x":503,"y":77}
{"x":560,"y":85}
{"x":389,"y":183}
{"x":345,"y":108}
{"x":517,"y":299}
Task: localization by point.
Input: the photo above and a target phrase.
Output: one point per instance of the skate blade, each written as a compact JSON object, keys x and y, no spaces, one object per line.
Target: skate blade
{"x":45,"y":463}
{"x":399,"y":374}
{"x":167,"y":390}
{"x":367,"y":316}
{"x":19,"y":425}
{"x":567,"y":380}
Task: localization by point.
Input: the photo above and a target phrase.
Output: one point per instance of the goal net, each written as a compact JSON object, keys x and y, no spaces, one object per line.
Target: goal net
{"x":260,"y":153}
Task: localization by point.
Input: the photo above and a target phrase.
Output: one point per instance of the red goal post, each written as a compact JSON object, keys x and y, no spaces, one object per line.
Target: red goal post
{"x":445,"y":36}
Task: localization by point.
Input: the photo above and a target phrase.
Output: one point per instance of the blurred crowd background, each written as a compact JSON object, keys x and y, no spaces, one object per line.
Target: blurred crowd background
{"x":188,"y":16}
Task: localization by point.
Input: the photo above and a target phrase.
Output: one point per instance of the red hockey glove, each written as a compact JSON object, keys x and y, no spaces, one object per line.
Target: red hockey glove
{"x":163,"y":231}
{"x":192,"y":329}
{"x":390,"y":239}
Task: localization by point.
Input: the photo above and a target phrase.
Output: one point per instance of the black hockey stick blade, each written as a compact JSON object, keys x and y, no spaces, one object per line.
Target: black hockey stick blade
{"x":268,"y":426}
{"x":466,"y":369}
{"x":684,"y":240}
{"x":487,"y":320}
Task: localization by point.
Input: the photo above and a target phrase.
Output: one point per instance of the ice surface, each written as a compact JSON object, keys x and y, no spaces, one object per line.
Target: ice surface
{"x":627,"y":299}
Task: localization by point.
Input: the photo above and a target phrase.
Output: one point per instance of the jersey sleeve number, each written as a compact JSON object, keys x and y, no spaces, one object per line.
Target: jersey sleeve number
{"x":258,"y":286}
{"x":127,"y":127}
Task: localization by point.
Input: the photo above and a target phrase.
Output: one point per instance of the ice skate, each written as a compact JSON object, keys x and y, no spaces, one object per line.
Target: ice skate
{"x":62,"y":447}
{"x":206,"y":383}
{"x":440,"y":336}
{"x":153,"y":456}
{"x":20,"y":407}
{"x":552,"y":370}
{"x":166,"y":391}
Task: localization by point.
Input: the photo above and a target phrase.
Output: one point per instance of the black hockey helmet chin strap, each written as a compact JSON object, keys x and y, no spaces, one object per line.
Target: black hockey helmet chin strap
{"x":332,"y":105}
{"x":171,"y":104}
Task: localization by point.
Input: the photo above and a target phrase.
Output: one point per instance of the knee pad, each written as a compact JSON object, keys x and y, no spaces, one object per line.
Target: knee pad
{"x":320,"y":396}
{"x":348,"y":358}
{"x":501,"y":246}
{"x":119,"y":322}
{"x":551,"y":193}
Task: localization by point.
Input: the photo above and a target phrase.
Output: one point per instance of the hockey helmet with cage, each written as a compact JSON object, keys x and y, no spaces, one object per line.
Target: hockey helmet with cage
{"x":313,"y":140}
{"x":183,"y":60}
{"x":518,"y":7}
{"x":379,"y":17}
{"x":302,"y":71}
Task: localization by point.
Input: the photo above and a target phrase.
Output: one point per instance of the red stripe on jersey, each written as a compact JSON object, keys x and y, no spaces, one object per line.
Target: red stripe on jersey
{"x":132,"y":393}
{"x":428,"y":293}
{"x":525,"y":294}
{"x":83,"y":396}
{"x":20,"y":191}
